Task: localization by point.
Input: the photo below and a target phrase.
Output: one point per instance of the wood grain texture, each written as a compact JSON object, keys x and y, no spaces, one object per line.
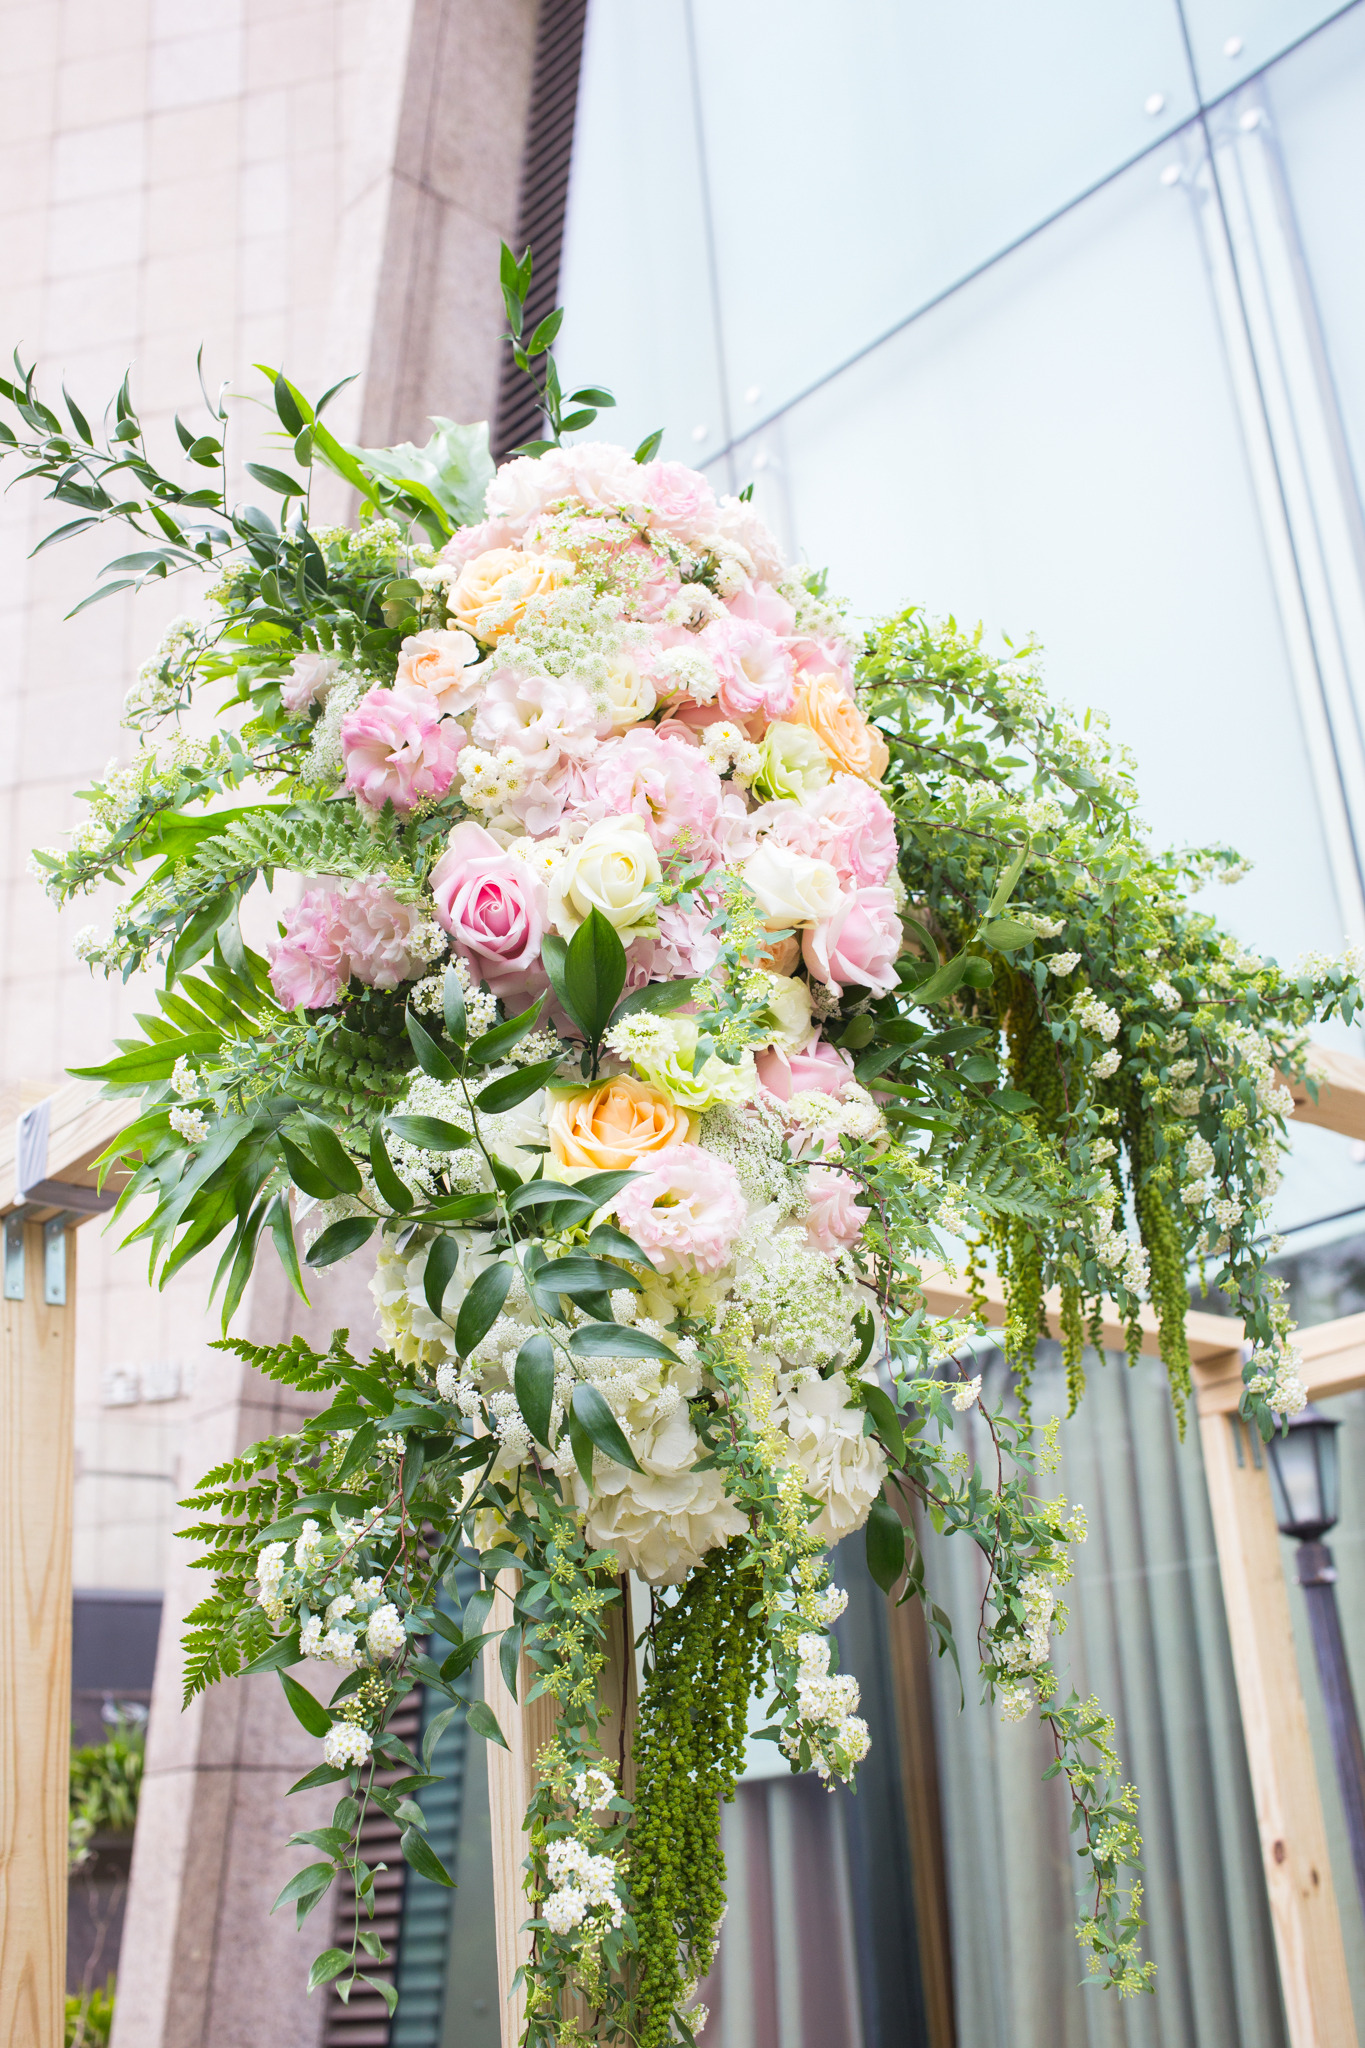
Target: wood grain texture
{"x":1298,"y":1876}
{"x":1340,"y":1081}
{"x":512,"y":1782}
{"x":37,"y":1405}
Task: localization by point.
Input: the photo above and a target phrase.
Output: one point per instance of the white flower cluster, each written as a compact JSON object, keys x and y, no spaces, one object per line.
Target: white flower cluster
{"x":1092,"y":1014}
{"x":322,"y":1582}
{"x":1121,"y":1252}
{"x":1064,"y":963}
{"x":966,"y":1394}
{"x":487,"y":780}
{"x":163,"y":678}
{"x":189,"y":1124}
{"x":1279,"y":1377}
{"x":834,"y":1732}
{"x":729,"y":749}
{"x":1164,"y":993}
{"x":581,"y":1883}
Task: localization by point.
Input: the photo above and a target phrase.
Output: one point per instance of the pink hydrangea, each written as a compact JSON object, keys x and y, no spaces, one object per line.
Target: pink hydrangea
{"x":332,"y":935}
{"x":683,"y":949}
{"x":493,"y":906}
{"x":823,"y":657}
{"x":468,"y":541}
{"x":753,"y":666}
{"x":818,"y":1069}
{"x":834,"y":1219}
{"x":667,"y":782}
{"x":687,"y":1212}
{"x":678,"y":499}
{"x":398,"y":749}
{"x":859,"y":943}
{"x":853,"y":828}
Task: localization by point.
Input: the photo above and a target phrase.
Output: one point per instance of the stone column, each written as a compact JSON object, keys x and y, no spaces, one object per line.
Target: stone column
{"x":417,"y":309}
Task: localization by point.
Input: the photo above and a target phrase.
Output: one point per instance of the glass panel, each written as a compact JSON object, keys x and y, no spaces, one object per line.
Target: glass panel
{"x":1054,"y":449}
{"x":635,"y":264}
{"x":1314,"y":102}
{"x":856,"y":173}
{"x":1230,"y":39}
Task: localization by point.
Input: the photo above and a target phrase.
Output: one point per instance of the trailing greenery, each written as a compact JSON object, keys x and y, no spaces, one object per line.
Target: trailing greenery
{"x":106,"y":1779}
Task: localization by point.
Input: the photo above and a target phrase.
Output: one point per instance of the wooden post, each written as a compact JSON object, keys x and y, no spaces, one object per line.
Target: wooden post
{"x":1298,"y":1875}
{"x":37,"y":1403}
{"x":512,"y":1782}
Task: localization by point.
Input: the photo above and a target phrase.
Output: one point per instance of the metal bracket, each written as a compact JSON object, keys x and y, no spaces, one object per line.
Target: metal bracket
{"x":54,"y":1262}
{"x":14,"y":1255}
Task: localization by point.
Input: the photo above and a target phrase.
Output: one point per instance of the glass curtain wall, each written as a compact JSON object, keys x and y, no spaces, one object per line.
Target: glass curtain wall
{"x":1051,"y":318}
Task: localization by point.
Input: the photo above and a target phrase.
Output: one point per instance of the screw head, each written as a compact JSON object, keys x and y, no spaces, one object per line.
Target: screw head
{"x":1233,"y":47}
{"x":753,"y":394}
{"x":1171,"y":175}
{"x":700,"y":433}
{"x":1154,"y":103}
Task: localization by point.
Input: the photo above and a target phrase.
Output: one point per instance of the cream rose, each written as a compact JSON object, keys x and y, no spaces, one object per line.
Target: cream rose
{"x":612,"y":868}
{"x":621,"y":1123}
{"x":791,"y":888}
{"x":493,"y":590}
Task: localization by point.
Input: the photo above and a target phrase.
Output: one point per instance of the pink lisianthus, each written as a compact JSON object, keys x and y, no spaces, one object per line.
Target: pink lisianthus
{"x":308,"y":680}
{"x":823,"y":657}
{"x":333,"y":934}
{"x":398,"y":749}
{"x":834,"y":1220}
{"x":678,"y":499}
{"x":687,"y":1212}
{"x":668,"y":783}
{"x":493,"y":906}
{"x":853,"y":828}
{"x":739,"y":522}
{"x":857,"y":944}
{"x":819,"y":1069}
{"x":767,"y":606}
{"x":753,"y":666}
{"x":468,"y":541}
{"x":545,"y":719}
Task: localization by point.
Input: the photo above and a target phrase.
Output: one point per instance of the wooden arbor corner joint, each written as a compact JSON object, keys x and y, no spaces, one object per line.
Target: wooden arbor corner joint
{"x":48,"y":1186}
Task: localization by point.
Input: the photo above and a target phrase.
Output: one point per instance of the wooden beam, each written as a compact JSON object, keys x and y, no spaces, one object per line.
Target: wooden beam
{"x":1298,"y":1875}
{"x":1208,"y":1336}
{"x":513,"y":1779}
{"x":37,"y":1402}
{"x":1340,"y":1078}
{"x":81,"y":1123}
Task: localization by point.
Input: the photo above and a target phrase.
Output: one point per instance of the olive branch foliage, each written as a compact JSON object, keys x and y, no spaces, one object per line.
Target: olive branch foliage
{"x":1029,"y":1103}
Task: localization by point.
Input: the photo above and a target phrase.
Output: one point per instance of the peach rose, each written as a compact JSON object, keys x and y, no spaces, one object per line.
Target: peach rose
{"x":852,"y":744}
{"x":620,"y":1123}
{"x":494,"y":589}
{"x":438,"y":662}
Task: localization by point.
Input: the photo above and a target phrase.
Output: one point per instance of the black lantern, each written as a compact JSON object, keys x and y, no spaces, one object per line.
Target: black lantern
{"x":1303,"y":1480}
{"x":1304,"y":1476}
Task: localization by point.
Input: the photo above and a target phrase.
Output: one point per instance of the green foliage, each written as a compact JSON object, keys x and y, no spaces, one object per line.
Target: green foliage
{"x":538,"y":347}
{"x":106,"y":1778}
{"x":90,"y":2017}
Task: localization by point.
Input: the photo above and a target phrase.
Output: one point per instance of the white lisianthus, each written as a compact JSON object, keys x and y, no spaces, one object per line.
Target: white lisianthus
{"x":614,"y":869}
{"x":668,"y":1064}
{"x":792,"y":888}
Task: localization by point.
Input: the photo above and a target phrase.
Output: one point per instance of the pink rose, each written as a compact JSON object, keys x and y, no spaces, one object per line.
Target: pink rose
{"x":859,"y":943}
{"x":493,"y":906}
{"x":669,"y":784}
{"x":753,"y":667}
{"x":854,"y":830}
{"x":398,"y":749}
{"x":439,"y":662}
{"x":820,"y":1069}
{"x":334,"y":934}
{"x":834,"y":1220}
{"x":678,"y":499}
{"x":546,"y":719}
{"x":687,"y":1212}
{"x":766,"y":605}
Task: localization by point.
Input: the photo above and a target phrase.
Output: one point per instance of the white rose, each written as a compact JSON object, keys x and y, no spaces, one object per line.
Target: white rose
{"x":791,"y":888}
{"x":843,"y":1469}
{"x":660,"y":1521}
{"x":789,"y":1004}
{"x":614,"y":869}
{"x":630,"y":694}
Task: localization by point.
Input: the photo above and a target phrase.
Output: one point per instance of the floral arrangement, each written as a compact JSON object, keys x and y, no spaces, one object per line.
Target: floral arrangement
{"x":675,"y":966}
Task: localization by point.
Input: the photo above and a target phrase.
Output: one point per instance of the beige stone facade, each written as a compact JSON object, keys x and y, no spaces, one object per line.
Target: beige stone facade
{"x":321,"y":186}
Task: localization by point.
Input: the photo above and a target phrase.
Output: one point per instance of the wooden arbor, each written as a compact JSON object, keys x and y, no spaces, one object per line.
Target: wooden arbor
{"x":47,"y":1190}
